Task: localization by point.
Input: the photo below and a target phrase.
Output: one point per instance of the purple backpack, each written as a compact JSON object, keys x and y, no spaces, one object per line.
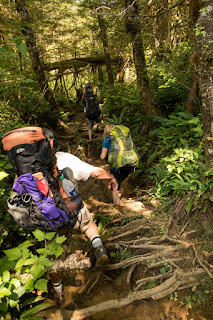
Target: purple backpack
{"x":33,"y":209}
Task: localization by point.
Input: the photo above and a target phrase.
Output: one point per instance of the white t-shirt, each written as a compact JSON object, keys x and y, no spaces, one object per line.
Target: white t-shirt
{"x":81,"y":170}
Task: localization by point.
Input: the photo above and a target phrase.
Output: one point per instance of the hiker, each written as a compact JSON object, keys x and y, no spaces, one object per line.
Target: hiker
{"x":30,"y":149}
{"x":82,"y":171}
{"x":121,"y":154}
{"x":92,"y":109}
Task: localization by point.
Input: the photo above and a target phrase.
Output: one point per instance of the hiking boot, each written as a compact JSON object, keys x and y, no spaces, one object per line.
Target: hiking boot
{"x":101,"y":256}
{"x":59,"y":298}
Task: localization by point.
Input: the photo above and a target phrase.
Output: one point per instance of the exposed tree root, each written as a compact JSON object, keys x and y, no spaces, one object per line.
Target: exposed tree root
{"x":177,"y":281}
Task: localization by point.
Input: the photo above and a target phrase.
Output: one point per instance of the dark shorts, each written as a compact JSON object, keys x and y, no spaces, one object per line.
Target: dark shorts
{"x":122,"y":173}
{"x":91,"y":122}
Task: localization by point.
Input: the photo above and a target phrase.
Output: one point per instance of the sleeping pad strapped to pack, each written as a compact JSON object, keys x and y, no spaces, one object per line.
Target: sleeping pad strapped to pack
{"x":38,"y":200}
{"x":123,"y":151}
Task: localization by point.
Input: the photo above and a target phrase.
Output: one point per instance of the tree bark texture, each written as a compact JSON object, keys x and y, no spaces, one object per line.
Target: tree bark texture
{"x":204,"y":66}
{"x":33,"y":52}
{"x":193,"y":95}
{"x":134,"y":29}
{"x":161,"y":25}
{"x":104,"y":39}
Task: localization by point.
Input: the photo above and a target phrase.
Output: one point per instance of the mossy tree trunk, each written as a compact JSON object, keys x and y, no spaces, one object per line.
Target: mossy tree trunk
{"x":194,"y":8}
{"x":34,"y":56}
{"x":204,"y":67}
{"x":134,"y":29}
{"x":104,"y":39}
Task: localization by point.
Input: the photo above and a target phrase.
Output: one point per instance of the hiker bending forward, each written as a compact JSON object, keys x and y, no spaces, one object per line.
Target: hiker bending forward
{"x":82,"y":171}
{"x":110,"y":147}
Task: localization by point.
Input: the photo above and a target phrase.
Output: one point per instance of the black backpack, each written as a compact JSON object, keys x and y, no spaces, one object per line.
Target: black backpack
{"x":92,"y":110}
{"x":30,"y":153}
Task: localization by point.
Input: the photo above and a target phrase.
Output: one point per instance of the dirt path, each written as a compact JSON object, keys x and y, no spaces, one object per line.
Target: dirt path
{"x":152,"y":263}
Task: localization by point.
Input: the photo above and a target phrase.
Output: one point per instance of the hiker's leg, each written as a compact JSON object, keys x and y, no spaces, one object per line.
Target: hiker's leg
{"x":116,"y":197}
{"x":120,"y":175}
{"x":98,"y":123}
{"x":90,"y":125}
{"x":57,"y":285}
{"x":90,"y":134}
{"x":88,"y":226}
{"x":116,"y":193}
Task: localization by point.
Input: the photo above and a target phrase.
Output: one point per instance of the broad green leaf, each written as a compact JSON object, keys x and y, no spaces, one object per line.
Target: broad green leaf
{"x":25,"y":244}
{"x":39,"y":235}
{"x":26,"y":253}
{"x":20,"y":291}
{"x":6,"y":276}
{"x":28,"y":80}
{"x":29,"y":284}
{"x":13,"y":303}
{"x":22,"y":48}
{"x":41,"y":284}
{"x":60,"y":239}
{"x":6,"y":264}
{"x":45,"y":261}
{"x":50,"y":235}
{"x":37,"y":271}
{"x":32,"y":260}
{"x":13,"y":254}
{"x":41,"y":250}
{"x":15,"y":282}
{"x":3,"y":305}
{"x":59,"y":251}
{"x":20,"y":263}
{"x":4,"y":292}
{"x":3,"y":175}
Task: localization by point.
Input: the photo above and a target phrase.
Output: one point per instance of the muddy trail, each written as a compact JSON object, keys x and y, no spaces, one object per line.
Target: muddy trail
{"x":154,"y":260}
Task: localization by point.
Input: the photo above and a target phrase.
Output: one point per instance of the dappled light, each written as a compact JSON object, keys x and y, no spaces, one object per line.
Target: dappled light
{"x":106,"y":171}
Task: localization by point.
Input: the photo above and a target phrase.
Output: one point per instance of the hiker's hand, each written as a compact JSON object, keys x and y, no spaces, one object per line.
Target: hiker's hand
{"x":113,"y":185}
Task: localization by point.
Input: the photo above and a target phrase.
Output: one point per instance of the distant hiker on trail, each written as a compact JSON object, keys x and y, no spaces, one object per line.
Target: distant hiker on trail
{"x":92,"y":109}
{"x":47,"y":196}
{"x":121,"y":153}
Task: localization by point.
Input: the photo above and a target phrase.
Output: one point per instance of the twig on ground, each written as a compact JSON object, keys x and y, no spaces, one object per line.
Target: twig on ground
{"x":202,"y":265}
{"x":94,"y":283}
{"x":130,"y":272}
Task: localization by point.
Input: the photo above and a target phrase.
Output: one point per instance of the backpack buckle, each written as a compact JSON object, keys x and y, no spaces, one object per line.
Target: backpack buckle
{"x":26,"y":197}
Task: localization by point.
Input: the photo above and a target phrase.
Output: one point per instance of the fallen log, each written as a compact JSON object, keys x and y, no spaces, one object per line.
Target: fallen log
{"x":75,"y":261}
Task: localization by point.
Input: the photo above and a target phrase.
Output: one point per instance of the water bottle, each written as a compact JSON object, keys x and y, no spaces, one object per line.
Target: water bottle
{"x":68,"y":187}
{"x":74,"y":200}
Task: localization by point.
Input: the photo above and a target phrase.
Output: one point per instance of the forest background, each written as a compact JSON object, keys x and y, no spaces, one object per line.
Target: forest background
{"x":152,"y":62}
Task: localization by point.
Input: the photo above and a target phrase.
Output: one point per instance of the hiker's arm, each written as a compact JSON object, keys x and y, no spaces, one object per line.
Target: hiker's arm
{"x":82,"y":97}
{"x":100,"y":173}
{"x":103,"y":153}
{"x":101,"y":109}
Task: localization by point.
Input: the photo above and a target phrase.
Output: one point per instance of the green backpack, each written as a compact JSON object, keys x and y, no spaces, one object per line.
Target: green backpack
{"x":123,"y":151}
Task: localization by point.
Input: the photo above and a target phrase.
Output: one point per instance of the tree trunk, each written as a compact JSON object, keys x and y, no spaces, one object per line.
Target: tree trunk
{"x":33,"y":53}
{"x":194,"y":8}
{"x":134,"y":29}
{"x":161,"y":25}
{"x":102,"y":26}
{"x":204,"y":67}
{"x":193,"y":95}
{"x":100,"y":76}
